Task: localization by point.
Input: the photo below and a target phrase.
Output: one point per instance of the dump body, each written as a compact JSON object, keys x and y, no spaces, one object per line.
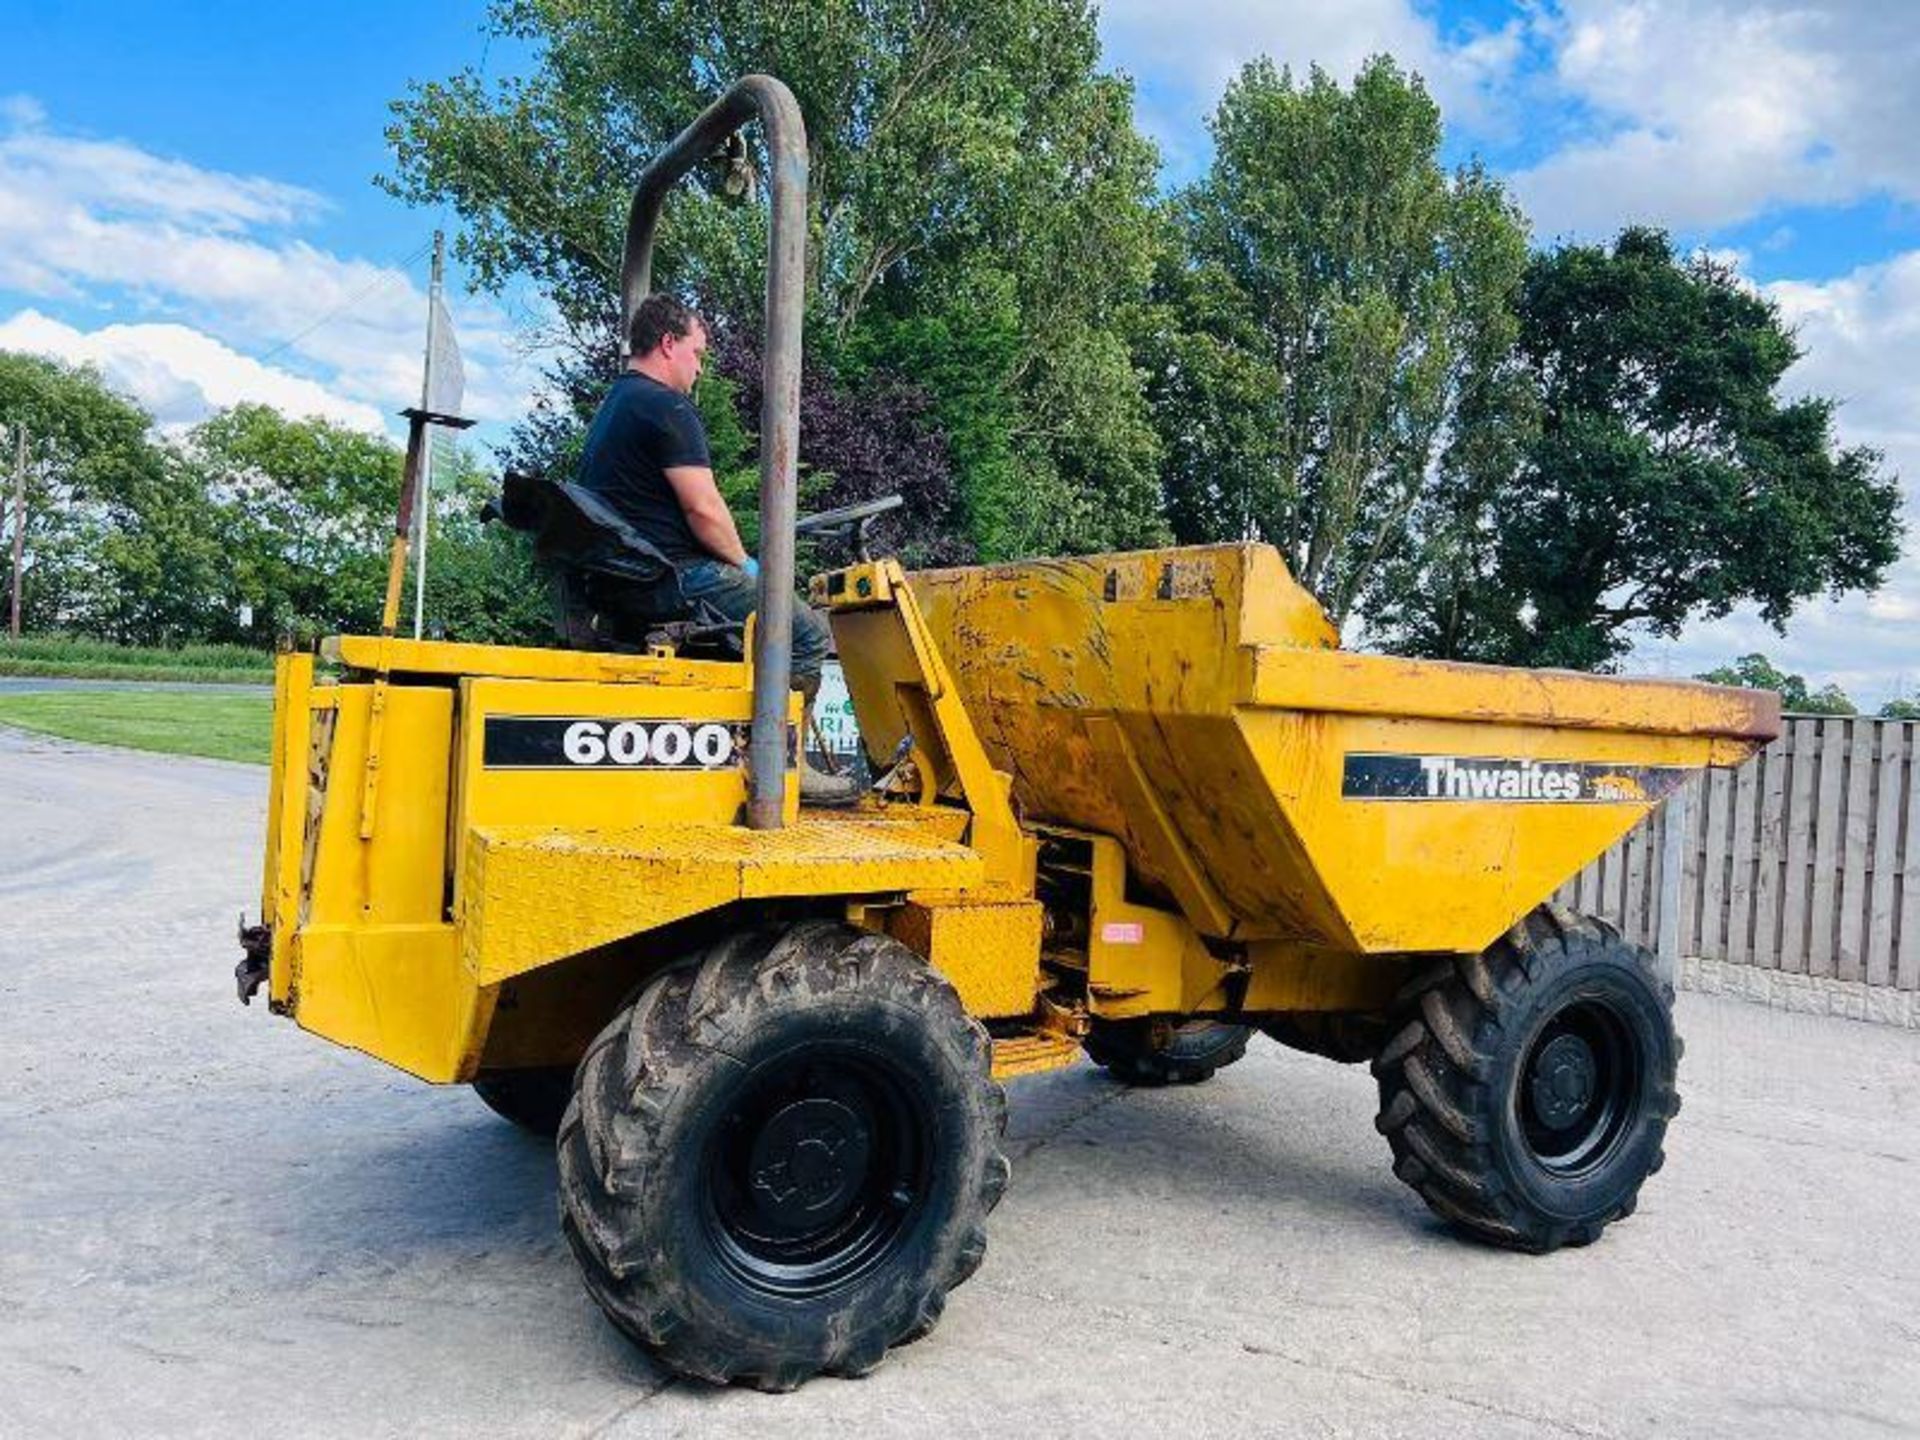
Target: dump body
{"x":1194,"y":704}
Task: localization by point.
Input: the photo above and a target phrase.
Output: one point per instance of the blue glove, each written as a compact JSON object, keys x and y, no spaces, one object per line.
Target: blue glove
{"x":751,"y":566}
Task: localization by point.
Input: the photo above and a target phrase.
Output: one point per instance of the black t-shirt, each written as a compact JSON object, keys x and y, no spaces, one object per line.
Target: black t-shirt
{"x":642,"y":429}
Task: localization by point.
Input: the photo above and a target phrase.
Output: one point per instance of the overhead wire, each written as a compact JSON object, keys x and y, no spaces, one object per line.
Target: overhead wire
{"x":396,"y":271}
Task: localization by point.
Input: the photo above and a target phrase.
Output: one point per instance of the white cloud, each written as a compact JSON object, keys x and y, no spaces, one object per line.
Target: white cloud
{"x":1190,"y":51}
{"x":1704,"y":113}
{"x":107,"y":225}
{"x":1861,"y":337}
{"x":1694,"y":114}
{"x":1204,"y":43}
{"x":116,"y":178}
{"x":179,"y":374}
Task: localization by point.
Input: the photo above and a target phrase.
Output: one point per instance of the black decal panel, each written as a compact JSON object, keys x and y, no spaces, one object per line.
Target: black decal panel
{"x":600,"y":742}
{"x":1505,"y":780}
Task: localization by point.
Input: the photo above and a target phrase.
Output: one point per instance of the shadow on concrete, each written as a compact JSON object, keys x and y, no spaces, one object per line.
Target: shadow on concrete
{"x":1080,"y":1131}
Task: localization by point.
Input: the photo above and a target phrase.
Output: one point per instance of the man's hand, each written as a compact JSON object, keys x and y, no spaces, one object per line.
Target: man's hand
{"x":707,"y":514}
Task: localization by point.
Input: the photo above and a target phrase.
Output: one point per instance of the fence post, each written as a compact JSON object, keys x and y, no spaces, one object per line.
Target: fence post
{"x":1673,"y":862}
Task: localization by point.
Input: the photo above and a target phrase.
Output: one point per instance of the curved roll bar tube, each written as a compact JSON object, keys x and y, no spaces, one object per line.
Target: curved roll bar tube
{"x":764,"y":97}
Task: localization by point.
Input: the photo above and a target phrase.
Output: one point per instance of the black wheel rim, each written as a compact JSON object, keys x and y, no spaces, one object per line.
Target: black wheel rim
{"x":1579,"y":1088}
{"x":817,"y":1170}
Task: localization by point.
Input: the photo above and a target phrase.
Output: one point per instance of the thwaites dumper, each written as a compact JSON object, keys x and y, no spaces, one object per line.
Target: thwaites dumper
{"x":1135,"y":806}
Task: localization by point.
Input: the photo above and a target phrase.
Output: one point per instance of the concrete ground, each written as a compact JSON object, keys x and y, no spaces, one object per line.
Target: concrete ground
{"x":213,"y":1224}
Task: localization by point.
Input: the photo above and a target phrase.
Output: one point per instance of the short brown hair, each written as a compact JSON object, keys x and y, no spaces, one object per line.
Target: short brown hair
{"x":655,"y":318}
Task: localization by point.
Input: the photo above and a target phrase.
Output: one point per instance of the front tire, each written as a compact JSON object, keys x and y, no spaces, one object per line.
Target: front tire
{"x":1526,"y":1091}
{"x":1151,"y":1053}
{"x":780,"y":1160}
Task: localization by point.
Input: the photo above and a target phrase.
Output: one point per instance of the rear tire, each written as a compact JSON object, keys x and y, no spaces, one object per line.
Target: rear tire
{"x":532,"y":1099}
{"x":779,"y":1160}
{"x":1143,"y":1052}
{"x":1526,"y":1091}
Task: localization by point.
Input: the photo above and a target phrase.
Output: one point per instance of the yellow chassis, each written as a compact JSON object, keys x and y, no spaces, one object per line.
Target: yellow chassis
{"x":449,"y":893}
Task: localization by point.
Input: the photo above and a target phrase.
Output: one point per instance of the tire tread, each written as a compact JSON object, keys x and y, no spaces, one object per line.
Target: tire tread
{"x":1437,"y":1108}
{"x":623,"y":1109}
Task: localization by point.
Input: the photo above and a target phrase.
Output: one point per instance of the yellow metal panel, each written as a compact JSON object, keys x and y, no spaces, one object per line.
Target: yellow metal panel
{"x":603,"y":797}
{"x":439,"y":657}
{"x":1326,"y":680}
{"x":990,"y":952}
{"x":1142,"y":960}
{"x":1285,"y":976}
{"x":900,"y":687}
{"x":276,"y":788}
{"x":397,"y":992}
{"x":535,"y":895}
{"x":286,"y":813}
{"x":1146,"y":643}
{"x":1017,"y":1055}
{"x":398,"y":876}
{"x":1443,"y":875}
{"x":1154,"y":833}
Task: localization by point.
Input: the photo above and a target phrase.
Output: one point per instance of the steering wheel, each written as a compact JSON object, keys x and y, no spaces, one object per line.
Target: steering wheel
{"x":848,"y":521}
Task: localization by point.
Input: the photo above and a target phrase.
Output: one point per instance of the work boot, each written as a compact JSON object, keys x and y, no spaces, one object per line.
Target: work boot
{"x":816,"y":786}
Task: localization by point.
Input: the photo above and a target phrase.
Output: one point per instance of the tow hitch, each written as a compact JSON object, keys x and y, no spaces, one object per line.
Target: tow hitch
{"x":251,"y":973}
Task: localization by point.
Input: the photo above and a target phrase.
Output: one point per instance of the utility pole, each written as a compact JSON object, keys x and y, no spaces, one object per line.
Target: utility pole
{"x":434,"y":304}
{"x":19,"y":520}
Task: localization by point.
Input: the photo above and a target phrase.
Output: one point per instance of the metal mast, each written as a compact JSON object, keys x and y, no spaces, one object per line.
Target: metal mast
{"x":434,"y":306}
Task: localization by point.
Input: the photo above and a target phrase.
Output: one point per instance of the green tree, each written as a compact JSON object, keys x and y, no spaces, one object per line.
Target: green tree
{"x":1756,"y":672}
{"x":1335,"y":326}
{"x":963,"y":157}
{"x":164,"y":562}
{"x":307,"y":509}
{"x":483,"y":584}
{"x":1905,"y":708}
{"x":90,"y":463}
{"x":1669,"y":481}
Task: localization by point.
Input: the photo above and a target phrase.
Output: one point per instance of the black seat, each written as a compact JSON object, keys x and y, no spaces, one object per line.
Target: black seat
{"x":613,"y":589}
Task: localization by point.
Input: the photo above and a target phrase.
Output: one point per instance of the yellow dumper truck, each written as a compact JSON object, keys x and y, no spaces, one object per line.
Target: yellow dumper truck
{"x":1130,"y":806}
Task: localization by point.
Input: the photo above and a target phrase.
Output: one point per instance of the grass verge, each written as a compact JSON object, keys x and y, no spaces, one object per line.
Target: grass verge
{"x":66,"y":655}
{"x":178,"y":722}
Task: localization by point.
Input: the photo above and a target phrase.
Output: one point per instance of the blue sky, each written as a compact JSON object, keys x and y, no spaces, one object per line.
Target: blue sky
{"x":186,"y":190}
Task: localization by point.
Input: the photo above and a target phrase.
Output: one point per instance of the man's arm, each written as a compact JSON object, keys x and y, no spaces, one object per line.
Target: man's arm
{"x":707,"y":514}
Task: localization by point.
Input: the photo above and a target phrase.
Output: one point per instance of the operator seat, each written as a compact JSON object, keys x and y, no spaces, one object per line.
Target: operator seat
{"x":612,"y":588}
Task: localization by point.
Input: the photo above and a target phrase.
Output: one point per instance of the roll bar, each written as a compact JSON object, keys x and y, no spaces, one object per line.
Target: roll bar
{"x":764,"y":98}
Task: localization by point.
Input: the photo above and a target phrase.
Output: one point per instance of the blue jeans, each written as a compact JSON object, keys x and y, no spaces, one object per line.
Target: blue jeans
{"x":736,"y":594}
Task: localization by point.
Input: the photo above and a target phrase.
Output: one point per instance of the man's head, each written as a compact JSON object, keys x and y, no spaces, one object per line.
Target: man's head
{"x":667,"y":342}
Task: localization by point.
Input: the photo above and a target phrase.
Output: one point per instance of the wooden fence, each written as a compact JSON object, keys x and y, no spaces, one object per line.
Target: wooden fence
{"x":1805,"y":860}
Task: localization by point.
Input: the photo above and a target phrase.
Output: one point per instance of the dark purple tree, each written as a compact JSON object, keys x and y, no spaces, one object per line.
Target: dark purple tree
{"x":860,"y":441}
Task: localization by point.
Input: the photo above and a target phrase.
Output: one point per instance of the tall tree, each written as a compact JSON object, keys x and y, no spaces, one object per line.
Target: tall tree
{"x":90,"y":463}
{"x":1756,"y":672}
{"x":963,"y":154}
{"x":165,"y":572}
{"x":1336,"y":325}
{"x":308,"y":512}
{"x":1669,"y":480}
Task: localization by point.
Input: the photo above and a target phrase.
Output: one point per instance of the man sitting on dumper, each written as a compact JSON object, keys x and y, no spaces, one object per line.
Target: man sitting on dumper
{"x":646,"y":455}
